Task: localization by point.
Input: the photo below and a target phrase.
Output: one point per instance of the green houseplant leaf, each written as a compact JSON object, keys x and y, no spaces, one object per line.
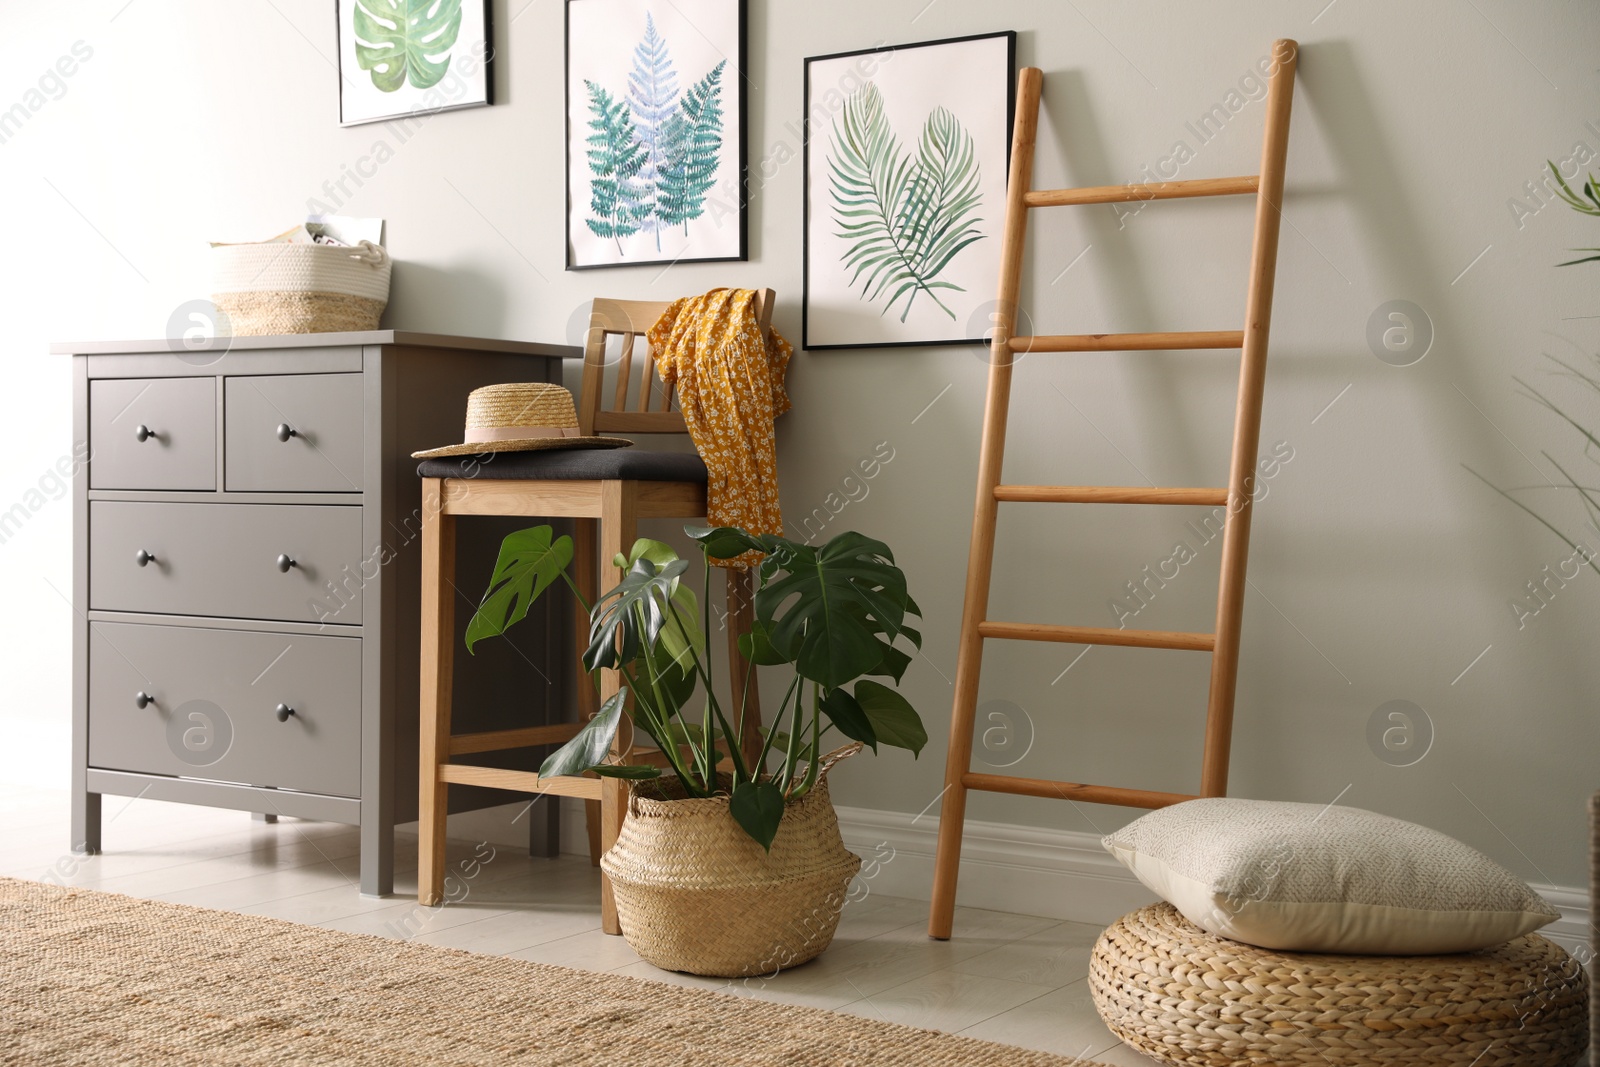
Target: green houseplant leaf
{"x":591,"y":745}
{"x":681,"y":633}
{"x":633,"y":614}
{"x":847,"y":715}
{"x":529,"y":561}
{"x":401,"y":40}
{"x":893,"y":719}
{"x":823,"y":613}
{"x":758,"y":807}
{"x":626,"y":770}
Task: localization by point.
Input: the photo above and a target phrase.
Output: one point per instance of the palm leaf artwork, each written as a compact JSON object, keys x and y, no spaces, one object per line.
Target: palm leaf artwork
{"x":616,"y":195}
{"x":401,"y":40}
{"x":904,"y":218}
{"x":694,"y":150}
{"x":653,"y":96}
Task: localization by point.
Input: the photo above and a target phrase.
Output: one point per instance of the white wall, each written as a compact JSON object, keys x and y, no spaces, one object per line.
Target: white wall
{"x":1381,"y":567}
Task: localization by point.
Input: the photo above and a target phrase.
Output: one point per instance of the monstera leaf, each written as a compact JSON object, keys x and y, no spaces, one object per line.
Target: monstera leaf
{"x":825,"y":613}
{"x":591,"y":745}
{"x":529,"y":561}
{"x":633,"y":615}
{"x":406,"y":39}
{"x":681,"y":637}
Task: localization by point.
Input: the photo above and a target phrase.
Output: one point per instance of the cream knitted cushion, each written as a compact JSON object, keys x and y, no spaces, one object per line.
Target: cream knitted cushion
{"x":1317,"y":878}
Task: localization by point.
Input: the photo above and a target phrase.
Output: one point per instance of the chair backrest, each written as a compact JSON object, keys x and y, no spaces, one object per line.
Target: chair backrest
{"x":639,"y":402}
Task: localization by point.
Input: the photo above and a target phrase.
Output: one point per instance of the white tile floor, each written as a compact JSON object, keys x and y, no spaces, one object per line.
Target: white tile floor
{"x":1009,"y":978}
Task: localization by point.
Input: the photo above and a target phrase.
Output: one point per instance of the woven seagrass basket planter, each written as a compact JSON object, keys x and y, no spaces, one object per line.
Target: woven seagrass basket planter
{"x":1183,"y":996}
{"x":285,"y":288}
{"x":695,"y":893}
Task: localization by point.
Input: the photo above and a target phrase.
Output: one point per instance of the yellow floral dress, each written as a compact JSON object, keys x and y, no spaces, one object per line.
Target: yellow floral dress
{"x":730,"y":389}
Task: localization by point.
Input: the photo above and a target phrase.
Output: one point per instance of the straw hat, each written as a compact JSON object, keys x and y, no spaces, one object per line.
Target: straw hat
{"x":521,"y":417}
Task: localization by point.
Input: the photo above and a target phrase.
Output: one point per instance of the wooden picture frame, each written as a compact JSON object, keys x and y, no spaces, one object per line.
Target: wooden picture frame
{"x":383,"y":79}
{"x":907,"y":148}
{"x":656,"y":156}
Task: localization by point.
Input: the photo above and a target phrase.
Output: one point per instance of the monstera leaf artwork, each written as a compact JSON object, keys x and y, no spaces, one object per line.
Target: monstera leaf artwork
{"x":406,"y":40}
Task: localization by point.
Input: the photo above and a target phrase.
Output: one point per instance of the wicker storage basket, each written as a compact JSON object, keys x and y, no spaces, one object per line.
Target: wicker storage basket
{"x":694,"y":893}
{"x":1182,"y":996}
{"x":290,"y":288}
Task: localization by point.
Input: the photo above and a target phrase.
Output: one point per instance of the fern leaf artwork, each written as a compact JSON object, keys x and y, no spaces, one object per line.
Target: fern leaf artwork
{"x":617,"y":196}
{"x":904,"y":218}
{"x":693,"y":142}
{"x":653,"y":96}
{"x":401,"y":40}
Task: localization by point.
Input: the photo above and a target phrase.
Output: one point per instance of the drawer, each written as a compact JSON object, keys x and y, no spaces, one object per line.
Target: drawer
{"x":153,"y":433}
{"x":212,"y":705}
{"x":223,"y":559}
{"x":298,"y":433}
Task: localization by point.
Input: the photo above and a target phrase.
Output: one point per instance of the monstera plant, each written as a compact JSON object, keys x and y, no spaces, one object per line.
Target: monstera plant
{"x":835,"y":613}
{"x":400,"y":40}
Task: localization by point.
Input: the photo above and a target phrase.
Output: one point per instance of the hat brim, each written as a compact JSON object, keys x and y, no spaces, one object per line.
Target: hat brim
{"x":526,"y":444}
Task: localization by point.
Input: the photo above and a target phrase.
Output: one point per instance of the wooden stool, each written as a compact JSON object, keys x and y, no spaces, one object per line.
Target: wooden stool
{"x":605,"y":493}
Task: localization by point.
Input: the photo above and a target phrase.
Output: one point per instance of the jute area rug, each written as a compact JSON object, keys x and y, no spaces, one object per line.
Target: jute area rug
{"x":94,"y":978}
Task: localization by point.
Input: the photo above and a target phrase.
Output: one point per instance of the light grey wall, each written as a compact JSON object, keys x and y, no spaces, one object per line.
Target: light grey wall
{"x":1382,"y":568}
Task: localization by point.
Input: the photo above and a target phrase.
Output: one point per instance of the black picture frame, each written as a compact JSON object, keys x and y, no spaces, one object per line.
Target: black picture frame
{"x":339,"y":8}
{"x":740,"y":126}
{"x":806,"y":341}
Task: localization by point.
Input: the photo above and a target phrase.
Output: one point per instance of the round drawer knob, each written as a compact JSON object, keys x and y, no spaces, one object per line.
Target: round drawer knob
{"x":283,"y":711}
{"x":285,"y":562}
{"x":285,"y":431}
{"x":142,"y":699}
{"x":143,"y":558}
{"x":144,"y":433}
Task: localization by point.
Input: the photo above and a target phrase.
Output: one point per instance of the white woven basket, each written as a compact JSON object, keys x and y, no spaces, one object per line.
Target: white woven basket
{"x":288,"y":288}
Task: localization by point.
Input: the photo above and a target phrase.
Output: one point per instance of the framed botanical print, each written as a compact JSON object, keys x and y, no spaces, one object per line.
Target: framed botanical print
{"x":906,"y":154}
{"x":407,"y":58}
{"x":655,"y":132}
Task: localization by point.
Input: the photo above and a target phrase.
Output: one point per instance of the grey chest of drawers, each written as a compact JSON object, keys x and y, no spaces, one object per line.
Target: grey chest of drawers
{"x":246,"y":575}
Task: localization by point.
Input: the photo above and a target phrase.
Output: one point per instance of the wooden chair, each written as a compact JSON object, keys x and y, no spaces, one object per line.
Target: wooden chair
{"x":605,"y":493}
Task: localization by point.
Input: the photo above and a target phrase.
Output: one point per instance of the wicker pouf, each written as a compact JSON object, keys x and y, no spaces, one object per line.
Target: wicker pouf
{"x":1182,"y":996}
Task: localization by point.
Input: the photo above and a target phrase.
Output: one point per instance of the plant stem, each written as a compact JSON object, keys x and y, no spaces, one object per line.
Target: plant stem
{"x":736,"y":756}
{"x":792,"y":756}
{"x":783,"y":705}
{"x":816,"y":744}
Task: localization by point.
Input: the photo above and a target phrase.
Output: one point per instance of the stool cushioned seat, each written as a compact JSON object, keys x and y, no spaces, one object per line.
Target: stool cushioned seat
{"x":1188,"y":998}
{"x":586,"y":464}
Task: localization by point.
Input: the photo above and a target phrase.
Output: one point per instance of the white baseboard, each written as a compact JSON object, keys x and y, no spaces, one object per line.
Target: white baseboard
{"x":1059,"y":874}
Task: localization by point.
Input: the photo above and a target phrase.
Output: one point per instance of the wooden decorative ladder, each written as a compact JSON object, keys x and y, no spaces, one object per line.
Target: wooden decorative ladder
{"x":1223,"y":644}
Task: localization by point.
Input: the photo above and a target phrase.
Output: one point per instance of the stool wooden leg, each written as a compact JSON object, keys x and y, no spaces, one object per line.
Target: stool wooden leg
{"x":585,"y":565}
{"x":741,"y":616}
{"x":438,"y":660}
{"x":617,"y":532}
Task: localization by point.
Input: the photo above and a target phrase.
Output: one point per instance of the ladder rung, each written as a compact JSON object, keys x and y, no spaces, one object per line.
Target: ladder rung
{"x":1108,"y":494}
{"x":1122,"y":194}
{"x":1091,"y":635}
{"x":1129,"y":342}
{"x":1091,"y":794}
